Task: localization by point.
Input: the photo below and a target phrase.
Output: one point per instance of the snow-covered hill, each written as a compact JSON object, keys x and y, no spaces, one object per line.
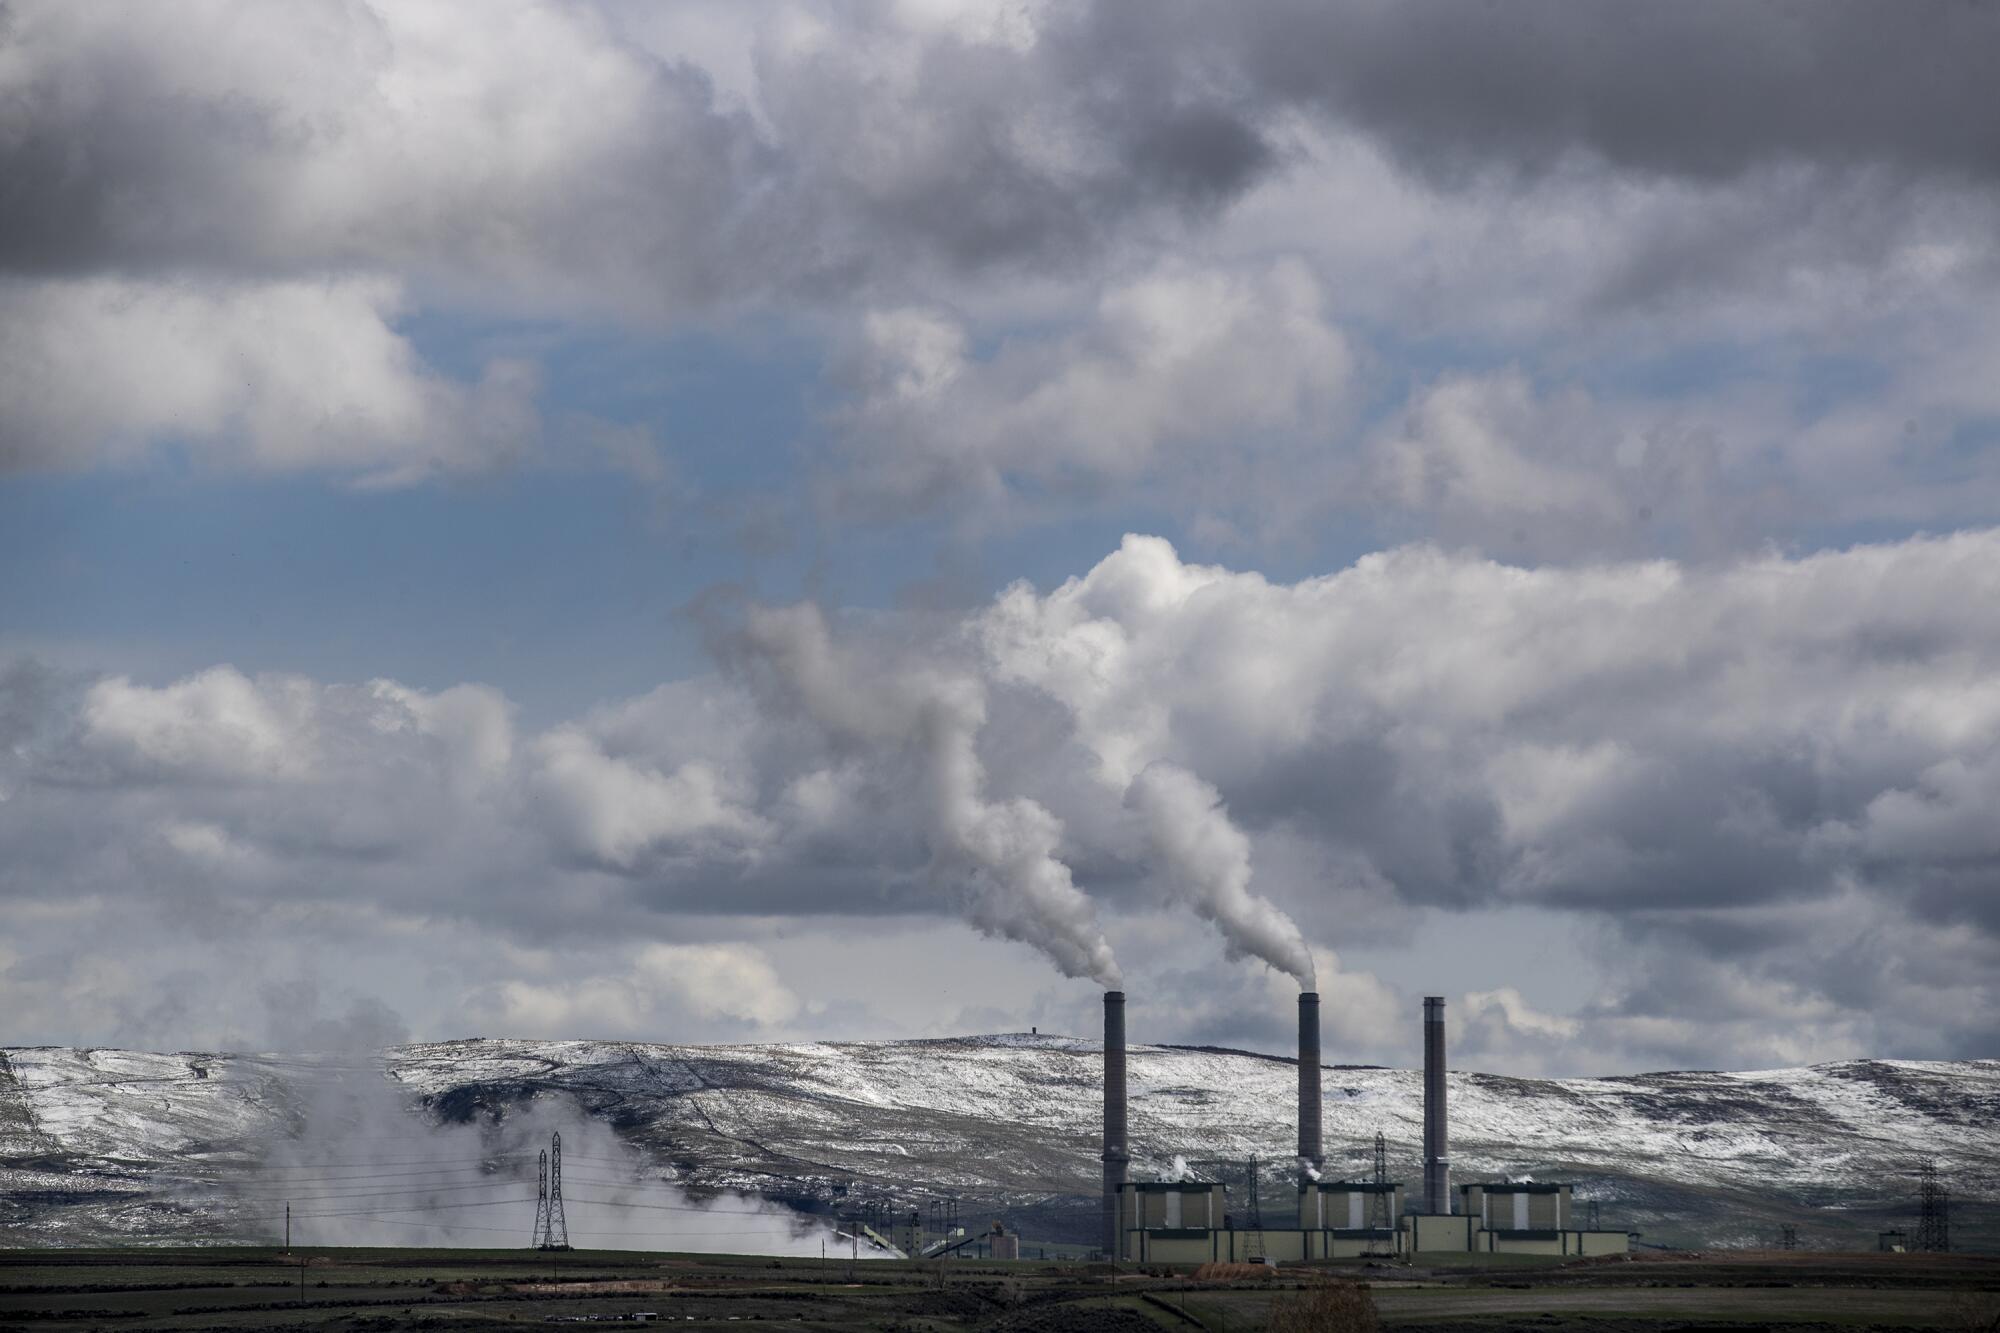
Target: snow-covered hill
{"x":100,"y":1143}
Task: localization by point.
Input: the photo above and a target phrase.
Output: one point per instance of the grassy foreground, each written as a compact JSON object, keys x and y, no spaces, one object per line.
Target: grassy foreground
{"x":379,"y":1289}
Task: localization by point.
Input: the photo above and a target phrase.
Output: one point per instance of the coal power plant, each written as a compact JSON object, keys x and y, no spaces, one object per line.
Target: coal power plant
{"x":1195,"y":1221}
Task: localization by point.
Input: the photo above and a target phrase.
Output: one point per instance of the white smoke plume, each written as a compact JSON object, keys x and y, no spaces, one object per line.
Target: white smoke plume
{"x":1208,"y":860}
{"x":364,"y":1165}
{"x":1178,"y":1172}
{"x":1001,"y":855}
{"x":1306,"y":1166}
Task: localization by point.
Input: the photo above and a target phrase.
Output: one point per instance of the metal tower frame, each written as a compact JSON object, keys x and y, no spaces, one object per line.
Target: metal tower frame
{"x":541,"y":1201}
{"x":551,"y":1227}
{"x":1378,"y":1207}
{"x":1933,"y":1210}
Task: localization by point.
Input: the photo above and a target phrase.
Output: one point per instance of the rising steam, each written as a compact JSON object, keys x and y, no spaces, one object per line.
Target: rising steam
{"x":1208,"y":861}
{"x":1000,"y":854}
{"x":363,"y":1164}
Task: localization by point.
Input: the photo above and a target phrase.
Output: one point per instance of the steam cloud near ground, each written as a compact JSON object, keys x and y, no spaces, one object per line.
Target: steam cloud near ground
{"x":362,"y":1166}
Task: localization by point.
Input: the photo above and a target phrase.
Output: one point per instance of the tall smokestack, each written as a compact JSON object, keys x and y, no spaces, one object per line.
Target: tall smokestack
{"x":1115,"y":1156}
{"x":1437,"y":1144}
{"x":1310,"y":1155}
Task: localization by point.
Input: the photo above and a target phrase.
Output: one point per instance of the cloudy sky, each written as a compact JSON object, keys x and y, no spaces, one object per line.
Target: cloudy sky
{"x":736,"y":521}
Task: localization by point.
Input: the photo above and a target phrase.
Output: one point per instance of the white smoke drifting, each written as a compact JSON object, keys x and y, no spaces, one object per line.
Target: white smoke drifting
{"x":365,"y":1167}
{"x":1208,"y":860}
{"x":1001,"y":855}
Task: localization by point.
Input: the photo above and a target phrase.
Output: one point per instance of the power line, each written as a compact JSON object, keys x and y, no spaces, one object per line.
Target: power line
{"x":382,"y":1193}
{"x":473,"y":1226}
{"x":441,"y":1184}
{"x":435,"y":1164}
{"x":379,"y":1161}
{"x":702,"y":1209}
{"x":706,"y":1209}
{"x":370,"y":1212}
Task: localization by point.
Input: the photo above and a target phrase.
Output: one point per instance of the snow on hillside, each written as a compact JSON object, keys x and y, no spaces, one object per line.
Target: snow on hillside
{"x":90,"y":1139}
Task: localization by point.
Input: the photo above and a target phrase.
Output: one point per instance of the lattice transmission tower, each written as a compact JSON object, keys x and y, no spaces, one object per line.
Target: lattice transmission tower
{"x":541,"y":1200}
{"x":1933,"y":1209}
{"x":551,"y":1227}
{"x":1378,"y":1207}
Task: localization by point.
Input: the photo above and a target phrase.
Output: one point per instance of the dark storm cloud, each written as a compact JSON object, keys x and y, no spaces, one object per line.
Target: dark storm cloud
{"x":193,"y":199}
{"x":166,"y":143}
{"x":263,"y":143}
{"x":1707,"y":89}
{"x":270,"y":142}
{"x":214,"y":216}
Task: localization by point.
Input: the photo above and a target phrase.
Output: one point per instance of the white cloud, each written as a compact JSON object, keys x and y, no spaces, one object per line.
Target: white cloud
{"x":1180,"y":373}
{"x":214,"y":724}
{"x":1506,"y":1007}
{"x":1050,"y":231}
{"x":1740,"y":770}
{"x":275,"y":376}
{"x":616,"y":811}
{"x":733,"y":984}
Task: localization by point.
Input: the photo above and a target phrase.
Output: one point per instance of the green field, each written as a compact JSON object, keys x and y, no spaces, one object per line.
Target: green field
{"x":333,"y":1289}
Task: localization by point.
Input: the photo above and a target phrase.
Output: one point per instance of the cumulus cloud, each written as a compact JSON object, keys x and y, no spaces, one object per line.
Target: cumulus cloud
{"x":273,"y":376}
{"x":214,"y":724}
{"x":1611,"y":739}
{"x":733,"y":984}
{"x":550,"y":150}
{"x":1494,"y":462}
{"x":1045,"y":236}
{"x":1027,"y":133}
{"x":614,"y":811}
{"x":1762,"y":764}
{"x":1576,"y":290}
{"x":1700,"y":90}
{"x":1179,"y":375}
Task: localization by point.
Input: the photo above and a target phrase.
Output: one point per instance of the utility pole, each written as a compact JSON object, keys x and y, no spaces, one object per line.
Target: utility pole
{"x":288,"y":1228}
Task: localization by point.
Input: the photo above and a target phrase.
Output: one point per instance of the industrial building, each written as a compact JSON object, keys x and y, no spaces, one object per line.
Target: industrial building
{"x":1190,"y":1222}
